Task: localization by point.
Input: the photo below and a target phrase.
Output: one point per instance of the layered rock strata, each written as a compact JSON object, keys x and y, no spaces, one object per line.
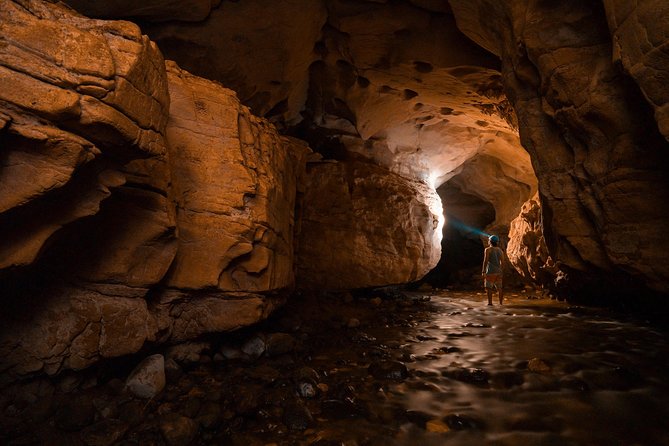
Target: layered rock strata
{"x":598,"y":153}
{"x":527,"y":249}
{"x":363,"y":226}
{"x":394,"y":82}
{"x":134,"y":211}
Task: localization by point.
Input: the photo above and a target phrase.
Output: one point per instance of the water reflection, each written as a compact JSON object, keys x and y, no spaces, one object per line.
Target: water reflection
{"x":539,"y":373}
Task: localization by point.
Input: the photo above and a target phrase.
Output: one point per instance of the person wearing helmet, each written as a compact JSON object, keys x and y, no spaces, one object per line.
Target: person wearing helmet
{"x":492,"y":269}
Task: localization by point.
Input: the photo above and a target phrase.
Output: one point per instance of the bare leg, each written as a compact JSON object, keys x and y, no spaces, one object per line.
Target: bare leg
{"x":489,"y":291}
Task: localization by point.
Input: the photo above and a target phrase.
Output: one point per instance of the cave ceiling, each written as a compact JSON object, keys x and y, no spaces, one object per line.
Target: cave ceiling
{"x":391,"y":81}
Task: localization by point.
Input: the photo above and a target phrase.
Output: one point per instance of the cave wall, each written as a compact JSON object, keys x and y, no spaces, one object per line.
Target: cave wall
{"x":585,"y":103}
{"x":394,"y":82}
{"x":144,"y":204}
{"x":363,"y":226}
{"x":140,"y":203}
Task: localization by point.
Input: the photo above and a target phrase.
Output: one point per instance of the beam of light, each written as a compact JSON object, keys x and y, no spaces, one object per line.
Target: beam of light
{"x":457,"y":224}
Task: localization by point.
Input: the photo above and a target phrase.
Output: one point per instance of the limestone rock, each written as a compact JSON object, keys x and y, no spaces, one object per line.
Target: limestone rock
{"x":395,"y":82}
{"x":71,"y":106}
{"x":261,"y":50}
{"x":355,"y":207}
{"x":74,"y":329}
{"x":639,"y":34}
{"x":595,"y":146}
{"x":180,"y":316}
{"x":148,"y":378}
{"x":235,"y":182}
{"x":527,"y":249}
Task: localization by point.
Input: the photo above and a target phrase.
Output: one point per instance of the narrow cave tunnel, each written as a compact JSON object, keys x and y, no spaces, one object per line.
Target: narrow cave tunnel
{"x":263,"y":222}
{"x":463,"y":241}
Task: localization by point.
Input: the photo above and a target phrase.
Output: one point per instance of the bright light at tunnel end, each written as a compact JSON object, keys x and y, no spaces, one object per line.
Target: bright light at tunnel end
{"x":437,"y":208}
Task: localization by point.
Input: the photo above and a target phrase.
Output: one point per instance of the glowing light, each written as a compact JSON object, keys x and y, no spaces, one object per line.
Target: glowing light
{"x":432,"y":179}
{"x":437,"y":209}
{"x":457,"y":224}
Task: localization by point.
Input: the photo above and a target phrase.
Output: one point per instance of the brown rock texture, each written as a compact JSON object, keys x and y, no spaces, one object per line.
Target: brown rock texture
{"x":363,"y":226}
{"x":640,"y":39}
{"x":526,"y":249}
{"x":75,"y":104}
{"x":394,"y":82}
{"x":121,"y":227}
{"x":235,"y":184}
{"x":595,"y":146}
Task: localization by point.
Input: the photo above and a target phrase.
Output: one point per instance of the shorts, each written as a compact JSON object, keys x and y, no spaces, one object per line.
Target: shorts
{"x":493,"y":281}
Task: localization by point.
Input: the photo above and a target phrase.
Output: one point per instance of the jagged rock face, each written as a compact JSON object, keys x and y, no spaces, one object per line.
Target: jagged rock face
{"x":130,"y":217}
{"x":595,"y":146}
{"x":259,"y":49}
{"x":234,"y":182}
{"x":526,"y":249}
{"x":394,"y":82}
{"x":639,"y":34}
{"x":363,"y":226}
{"x":70,"y":105}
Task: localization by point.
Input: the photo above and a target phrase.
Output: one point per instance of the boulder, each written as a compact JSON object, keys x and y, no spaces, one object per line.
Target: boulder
{"x":234,"y":182}
{"x":148,"y":378}
{"x":527,"y":249}
{"x":354,"y":206}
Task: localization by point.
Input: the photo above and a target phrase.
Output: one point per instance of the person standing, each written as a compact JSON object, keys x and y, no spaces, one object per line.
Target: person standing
{"x":492,"y":269}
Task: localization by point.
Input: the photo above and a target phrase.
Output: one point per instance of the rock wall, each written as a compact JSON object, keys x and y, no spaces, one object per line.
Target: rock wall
{"x":139,"y":204}
{"x":640,"y":37}
{"x":234,"y":179}
{"x":363,"y":226}
{"x":526,"y":249}
{"x":596,"y":149}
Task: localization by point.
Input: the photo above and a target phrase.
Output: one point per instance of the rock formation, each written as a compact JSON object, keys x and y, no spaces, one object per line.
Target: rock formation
{"x":134,"y":212}
{"x":143,"y":203}
{"x":363,"y":226}
{"x":598,"y":153}
{"x":526,"y":249}
{"x":395,"y":82}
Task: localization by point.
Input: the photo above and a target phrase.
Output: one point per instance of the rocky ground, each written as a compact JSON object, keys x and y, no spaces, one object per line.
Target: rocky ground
{"x":379,"y":368}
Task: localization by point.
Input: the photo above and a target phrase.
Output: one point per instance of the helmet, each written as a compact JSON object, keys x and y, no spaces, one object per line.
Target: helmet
{"x":493,"y":239}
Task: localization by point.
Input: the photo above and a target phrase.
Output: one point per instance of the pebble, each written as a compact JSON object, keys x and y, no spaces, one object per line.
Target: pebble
{"x":279,"y":344}
{"x":394,"y":370}
{"x":307,"y":390}
{"x":537,"y":365}
{"x":178,"y":430}
{"x":437,"y":426}
{"x":353,"y":323}
{"x":255,"y":346}
{"x":148,"y":378}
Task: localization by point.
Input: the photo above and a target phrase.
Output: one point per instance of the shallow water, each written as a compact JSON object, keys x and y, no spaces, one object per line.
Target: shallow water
{"x":597,"y":379}
{"x":530,"y":372}
{"x":605,"y":380}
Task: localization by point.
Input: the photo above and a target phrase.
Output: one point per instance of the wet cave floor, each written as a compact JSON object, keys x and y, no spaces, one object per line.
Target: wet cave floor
{"x":418,"y":368}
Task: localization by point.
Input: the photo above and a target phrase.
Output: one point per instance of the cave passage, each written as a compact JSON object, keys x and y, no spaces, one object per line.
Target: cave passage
{"x":262,"y":222}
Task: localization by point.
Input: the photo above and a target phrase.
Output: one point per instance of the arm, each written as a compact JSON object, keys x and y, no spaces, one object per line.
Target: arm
{"x":485,"y":260}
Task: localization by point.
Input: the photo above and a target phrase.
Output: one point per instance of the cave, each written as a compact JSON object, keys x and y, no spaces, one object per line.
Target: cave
{"x":263,"y":222}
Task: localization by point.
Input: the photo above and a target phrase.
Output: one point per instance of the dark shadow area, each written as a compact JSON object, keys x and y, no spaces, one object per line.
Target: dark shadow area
{"x":461,"y":246}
